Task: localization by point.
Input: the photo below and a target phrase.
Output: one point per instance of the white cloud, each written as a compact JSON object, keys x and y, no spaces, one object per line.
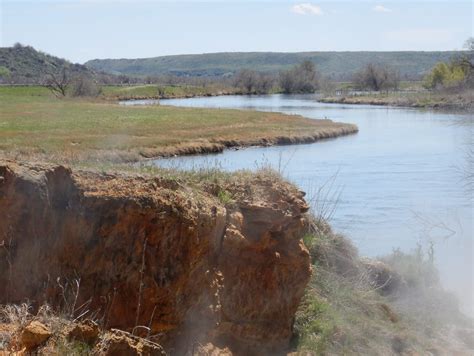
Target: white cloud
{"x":306,"y":9}
{"x":381,"y":8}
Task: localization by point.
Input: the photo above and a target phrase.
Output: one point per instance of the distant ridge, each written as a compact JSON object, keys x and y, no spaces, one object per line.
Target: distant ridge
{"x":335,"y":65}
{"x":27,"y":65}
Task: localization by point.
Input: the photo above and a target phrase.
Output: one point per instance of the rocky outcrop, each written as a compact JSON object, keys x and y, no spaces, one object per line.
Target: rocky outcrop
{"x":33,"y":335}
{"x":156,"y":256}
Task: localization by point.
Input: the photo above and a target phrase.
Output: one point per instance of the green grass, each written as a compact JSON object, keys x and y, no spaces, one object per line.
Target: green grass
{"x":225,"y":197}
{"x":35,"y":123}
{"x":343,"y":314}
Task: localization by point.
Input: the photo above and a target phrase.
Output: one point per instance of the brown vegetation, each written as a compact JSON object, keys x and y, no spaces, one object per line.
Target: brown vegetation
{"x":376,"y":77}
{"x":302,"y":78}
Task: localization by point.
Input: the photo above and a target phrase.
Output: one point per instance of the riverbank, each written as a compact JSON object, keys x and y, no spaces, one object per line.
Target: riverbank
{"x":35,"y":124}
{"x":393,"y":305}
{"x":239,"y":247}
{"x":350,"y":305}
{"x":461,"y":101}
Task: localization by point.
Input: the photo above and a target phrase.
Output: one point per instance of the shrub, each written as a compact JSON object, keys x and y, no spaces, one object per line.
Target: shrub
{"x":84,"y":86}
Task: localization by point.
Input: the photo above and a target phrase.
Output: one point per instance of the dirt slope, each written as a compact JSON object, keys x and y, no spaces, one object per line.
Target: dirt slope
{"x":134,"y":251}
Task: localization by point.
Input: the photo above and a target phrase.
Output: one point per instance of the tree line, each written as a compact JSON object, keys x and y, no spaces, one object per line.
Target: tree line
{"x":301,"y":78}
{"x":74,"y":80}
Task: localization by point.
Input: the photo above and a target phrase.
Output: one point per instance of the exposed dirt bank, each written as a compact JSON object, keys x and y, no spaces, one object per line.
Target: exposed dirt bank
{"x":221,"y":264}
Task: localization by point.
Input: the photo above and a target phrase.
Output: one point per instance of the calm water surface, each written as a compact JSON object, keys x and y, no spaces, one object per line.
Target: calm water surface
{"x":399,"y":181}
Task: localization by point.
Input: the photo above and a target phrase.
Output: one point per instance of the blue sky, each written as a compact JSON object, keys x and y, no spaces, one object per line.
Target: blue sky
{"x":80,"y":30}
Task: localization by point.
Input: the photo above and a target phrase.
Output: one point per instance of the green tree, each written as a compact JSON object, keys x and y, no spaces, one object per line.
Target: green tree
{"x":444,"y":75}
{"x":4,"y":72}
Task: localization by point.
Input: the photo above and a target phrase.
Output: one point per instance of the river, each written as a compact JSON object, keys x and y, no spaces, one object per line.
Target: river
{"x":398,"y":183}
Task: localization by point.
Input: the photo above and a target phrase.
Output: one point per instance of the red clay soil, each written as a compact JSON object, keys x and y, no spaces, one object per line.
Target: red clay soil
{"x":157,"y":253}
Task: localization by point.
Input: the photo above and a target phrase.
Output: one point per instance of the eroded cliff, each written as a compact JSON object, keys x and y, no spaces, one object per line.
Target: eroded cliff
{"x":190,"y":263}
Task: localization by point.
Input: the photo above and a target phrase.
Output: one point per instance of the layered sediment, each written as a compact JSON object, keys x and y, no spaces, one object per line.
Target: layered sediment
{"x":143,"y":253}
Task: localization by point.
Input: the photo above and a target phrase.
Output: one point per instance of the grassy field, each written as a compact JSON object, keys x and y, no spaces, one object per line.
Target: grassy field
{"x":33,"y":123}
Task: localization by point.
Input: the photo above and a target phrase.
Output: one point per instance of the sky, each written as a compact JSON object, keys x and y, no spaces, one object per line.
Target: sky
{"x":80,"y":30}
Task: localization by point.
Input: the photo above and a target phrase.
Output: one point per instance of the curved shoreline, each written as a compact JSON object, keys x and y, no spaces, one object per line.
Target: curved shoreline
{"x":218,"y":146}
{"x":74,"y":131}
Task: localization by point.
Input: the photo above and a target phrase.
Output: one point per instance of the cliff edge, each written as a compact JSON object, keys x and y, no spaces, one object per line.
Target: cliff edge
{"x":220,"y":264}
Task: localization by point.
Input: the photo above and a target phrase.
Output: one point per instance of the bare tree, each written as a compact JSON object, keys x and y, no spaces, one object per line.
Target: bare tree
{"x":264,"y":83}
{"x":58,"y":82}
{"x":302,"y":78}
{"x":466,"y":61}
{"x":376,"y":78}
{"x":252,"y":82}
{"x":469,"y":44}
{"x":246,"y":79}
{"x":84,"y":86}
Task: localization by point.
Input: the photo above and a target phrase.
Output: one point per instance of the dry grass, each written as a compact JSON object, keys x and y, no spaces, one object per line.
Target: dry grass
{"x":35,"y":124}
{"x":454,"y":100}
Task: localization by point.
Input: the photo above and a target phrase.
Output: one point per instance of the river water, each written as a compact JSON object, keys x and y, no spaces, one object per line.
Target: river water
{"x":399,"y":182}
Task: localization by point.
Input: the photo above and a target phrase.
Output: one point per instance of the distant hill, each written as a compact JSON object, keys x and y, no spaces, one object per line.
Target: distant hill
{"x":25,"y":65}
{"x":336,"y":65}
